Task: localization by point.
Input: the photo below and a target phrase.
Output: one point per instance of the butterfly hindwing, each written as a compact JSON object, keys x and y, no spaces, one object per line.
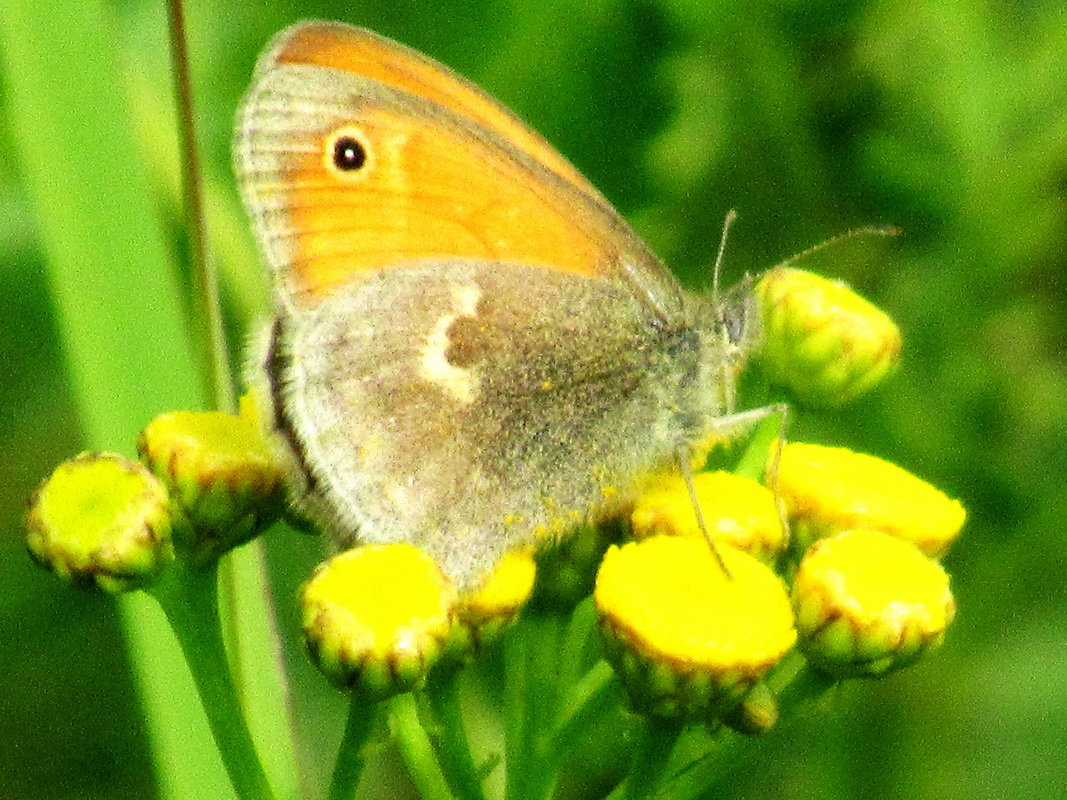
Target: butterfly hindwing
{"x":466,"y":423}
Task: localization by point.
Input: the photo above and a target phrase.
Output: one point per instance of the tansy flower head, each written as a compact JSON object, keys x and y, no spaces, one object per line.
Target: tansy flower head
{"x":482,"y":614}
{"x":376,"y":617}
{"x":867,"y":603}
{"x":220,"y":470}
{"x":103,"y":519}
{"x":736,"y":511}
{"x":831,"y":489}
{"x":821,"y":339}
{"x":686,"y":640}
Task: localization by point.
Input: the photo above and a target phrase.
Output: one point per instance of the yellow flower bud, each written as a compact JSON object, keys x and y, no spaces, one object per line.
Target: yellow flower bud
{"x":103,"y":519}
{"x":377,"y":617}
{"x":221,"y":472}
{"x":482,"y":614}
{"x":821,"y":339}
{"x":867,"y":603}
{"x":736,"y":511}
{"x":688,"y":641}
{"x":830,"y":489}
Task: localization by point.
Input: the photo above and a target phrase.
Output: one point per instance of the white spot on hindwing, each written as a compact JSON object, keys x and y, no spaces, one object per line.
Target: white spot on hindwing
{"x":459,"y":383}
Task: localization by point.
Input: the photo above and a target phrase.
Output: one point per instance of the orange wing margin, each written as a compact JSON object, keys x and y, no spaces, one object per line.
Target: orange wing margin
{"x":363,"y":52}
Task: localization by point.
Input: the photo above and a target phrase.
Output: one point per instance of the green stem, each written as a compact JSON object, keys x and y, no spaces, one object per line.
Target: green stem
{"x":533,"y":665}
{"x":586,"y":704}
{"x":798,"y":687}
{"x":189,"y":599}
{"x":761,"y":446}
{"x":416,"y":749}
{"x":573,"y":658}
{"x":515,"y":710}
{"x":444,"y":697}
{"x":728,"y":751}
{"x":254,"y":645}
{"x":658,"y":737}
{"x":362,"y":715}
{"x":808,"y":687}
{"x":254,"y":648}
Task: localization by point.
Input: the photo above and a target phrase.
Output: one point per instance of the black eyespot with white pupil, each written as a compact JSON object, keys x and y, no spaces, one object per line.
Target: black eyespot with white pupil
{"x":349,"y":154}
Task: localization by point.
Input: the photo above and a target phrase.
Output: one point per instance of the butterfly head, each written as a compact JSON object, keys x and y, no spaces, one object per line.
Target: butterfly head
{"x":728,"y":326}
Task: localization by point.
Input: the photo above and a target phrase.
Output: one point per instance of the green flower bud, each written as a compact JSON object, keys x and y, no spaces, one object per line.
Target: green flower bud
{"x":101,"y":519}
{"x":822,"y":340}
{"x":756,"y":714}
{"x":221,"y":472}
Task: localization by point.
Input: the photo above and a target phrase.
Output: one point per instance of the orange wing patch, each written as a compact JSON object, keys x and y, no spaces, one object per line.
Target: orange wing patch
{"x":426,"y":190}
{"x":366,"y":53}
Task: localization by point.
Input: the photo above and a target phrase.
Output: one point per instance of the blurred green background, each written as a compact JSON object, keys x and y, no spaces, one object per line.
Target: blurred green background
{"x":948,"y":119}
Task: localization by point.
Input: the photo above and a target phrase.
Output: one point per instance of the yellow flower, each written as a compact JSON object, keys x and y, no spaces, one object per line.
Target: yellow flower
{"x":101,"y":518}
{"x":867,"y":603}
{"x":482,"y":614}
{"x":831,"y":489}
{"x":736,"y":511}
{"x":220,"y":470}
{"x":821,"y":339}
{"x":377,"y":617}
{"x":686,"y":640}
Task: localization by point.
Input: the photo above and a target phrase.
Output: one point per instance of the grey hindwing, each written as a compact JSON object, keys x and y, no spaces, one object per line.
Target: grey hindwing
{"x":465,"y":406}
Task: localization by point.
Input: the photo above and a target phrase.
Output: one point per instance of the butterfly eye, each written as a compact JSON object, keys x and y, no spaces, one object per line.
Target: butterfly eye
{"x":346,"y":152}
{"x":735,"y":320}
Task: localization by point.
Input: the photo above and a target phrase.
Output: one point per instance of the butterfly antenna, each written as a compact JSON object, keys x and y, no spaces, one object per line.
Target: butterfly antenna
{"x":855,"y":233}
{"x":727,"y":223}
{"x":684,"y":457}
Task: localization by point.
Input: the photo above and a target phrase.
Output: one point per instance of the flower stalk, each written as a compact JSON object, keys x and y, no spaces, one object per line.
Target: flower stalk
{"x":416,"y":748}
{"x":351,"y":755}
{"x":189,"y":600}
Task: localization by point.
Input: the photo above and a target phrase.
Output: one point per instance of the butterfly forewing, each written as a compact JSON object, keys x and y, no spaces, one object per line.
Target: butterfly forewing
{"x":436,"y":182}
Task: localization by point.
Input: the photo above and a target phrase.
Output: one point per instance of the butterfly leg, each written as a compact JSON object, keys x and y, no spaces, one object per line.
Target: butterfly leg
{"x":732,"y":426}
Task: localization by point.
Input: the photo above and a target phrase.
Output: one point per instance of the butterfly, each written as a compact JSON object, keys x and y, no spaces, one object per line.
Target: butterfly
{"x":470,"y":348}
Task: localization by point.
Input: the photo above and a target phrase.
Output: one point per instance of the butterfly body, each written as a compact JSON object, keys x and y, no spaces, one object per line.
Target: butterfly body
{"x":471,"y":349}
